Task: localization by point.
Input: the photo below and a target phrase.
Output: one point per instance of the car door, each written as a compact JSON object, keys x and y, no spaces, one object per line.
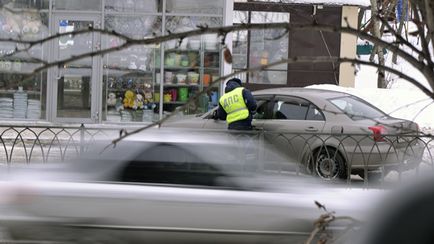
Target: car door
{"x":293,"y":125}
{"x":185,"y":197}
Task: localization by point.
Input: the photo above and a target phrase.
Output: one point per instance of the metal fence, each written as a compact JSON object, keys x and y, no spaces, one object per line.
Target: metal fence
{"x":354,"y":157}
{"x":23,"y":144}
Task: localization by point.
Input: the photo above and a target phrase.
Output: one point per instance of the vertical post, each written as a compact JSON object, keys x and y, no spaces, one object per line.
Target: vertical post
{"x":82,"y":138}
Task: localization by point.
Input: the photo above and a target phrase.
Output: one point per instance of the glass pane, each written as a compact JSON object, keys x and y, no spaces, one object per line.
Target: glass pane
{"x":134,"y":26}
{"x":27,"y":4}
{"x":70,"y":45}
{"x":239,"y":42}
{"x":239,"y":50}
{"x":269,"y":77}
{"x":22,"y":99}
{"x":268,"y":46}
{"x":289,"y":110}
{"x":24,"y":61}
{"x":356,"y":108}
{"x":74,"y":95}
{"x":128,"y":75}
{"x":142,"y":6}
{"x":28,"y":25}
{"x":194,"y":64}
{"x":74,"y":79}
{"x":94,"y":5}
{"x":128,"y":78}
{"x":314,"y":113}
{"x":181,"y":24}
{"x":195,"y":6}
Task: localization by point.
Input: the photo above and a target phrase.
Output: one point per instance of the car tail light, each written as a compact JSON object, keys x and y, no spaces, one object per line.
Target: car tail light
{"x":378,"y":132}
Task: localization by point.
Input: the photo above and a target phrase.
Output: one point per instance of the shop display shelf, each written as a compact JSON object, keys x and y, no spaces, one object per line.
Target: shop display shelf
{"x":117,"y":70}
{"x":174,"y":102}
{"x":175,"y":50}
{"x":179,"y":68}
{"x":178,"y":85}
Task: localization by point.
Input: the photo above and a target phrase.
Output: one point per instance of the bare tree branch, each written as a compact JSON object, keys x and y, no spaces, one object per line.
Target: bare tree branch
{"x":226,"y":29}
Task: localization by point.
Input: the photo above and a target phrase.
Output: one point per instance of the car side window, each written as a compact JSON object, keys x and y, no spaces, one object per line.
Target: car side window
{"x":314,"y":113}
{"x":157,"y":166}
{"x":197,"y":174}
{"x":263,"y":110}
{"x":290,"y":110}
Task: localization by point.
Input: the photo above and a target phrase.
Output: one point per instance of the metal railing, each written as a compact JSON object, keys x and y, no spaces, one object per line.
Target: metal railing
{"x":327,"y":155}
{"x":23,"y":144}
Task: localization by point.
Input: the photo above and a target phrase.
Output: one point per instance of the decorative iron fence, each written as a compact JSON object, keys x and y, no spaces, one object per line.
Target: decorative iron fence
{"x":345,"y":156}
{"x":22,"y":144}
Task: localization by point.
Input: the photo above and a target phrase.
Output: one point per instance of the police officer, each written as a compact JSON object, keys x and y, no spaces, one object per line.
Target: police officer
{"x":236,"y":106}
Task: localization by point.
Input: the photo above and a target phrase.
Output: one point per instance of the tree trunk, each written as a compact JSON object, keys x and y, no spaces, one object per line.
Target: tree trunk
{"x":429,"y":10}
{"x":376,"y":31}
{"x":399,"y":31}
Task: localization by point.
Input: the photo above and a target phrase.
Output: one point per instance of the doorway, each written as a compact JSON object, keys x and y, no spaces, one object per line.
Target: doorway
{"x":75,"y":85}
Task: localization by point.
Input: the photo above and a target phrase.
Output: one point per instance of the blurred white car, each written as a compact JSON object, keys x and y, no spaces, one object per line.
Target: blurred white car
{"x":168,"y":186}
{"x":333,"y":134}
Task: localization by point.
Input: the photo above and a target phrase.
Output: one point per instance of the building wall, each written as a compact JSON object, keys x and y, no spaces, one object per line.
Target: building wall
{"x":348,"y":46}
{"x":314,"y":43}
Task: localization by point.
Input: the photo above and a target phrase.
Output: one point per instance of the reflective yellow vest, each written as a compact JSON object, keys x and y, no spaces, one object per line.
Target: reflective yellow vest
{"x":234,"y":105}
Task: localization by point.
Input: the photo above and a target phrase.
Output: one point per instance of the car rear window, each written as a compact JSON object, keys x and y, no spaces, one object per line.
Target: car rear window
{"x":356,"y":108}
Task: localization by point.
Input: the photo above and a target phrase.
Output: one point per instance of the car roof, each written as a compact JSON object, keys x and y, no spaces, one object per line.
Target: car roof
{"x":301,"y":92}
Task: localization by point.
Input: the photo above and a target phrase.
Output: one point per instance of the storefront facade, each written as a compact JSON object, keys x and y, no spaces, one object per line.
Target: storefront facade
{"x":136,"y":84}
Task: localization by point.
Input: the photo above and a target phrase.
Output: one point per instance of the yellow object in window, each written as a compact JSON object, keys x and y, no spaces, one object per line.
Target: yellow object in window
{"x":264,"y":58}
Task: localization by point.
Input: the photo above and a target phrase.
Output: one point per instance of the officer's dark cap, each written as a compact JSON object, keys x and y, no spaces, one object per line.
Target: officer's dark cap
{"x":236,"y":80}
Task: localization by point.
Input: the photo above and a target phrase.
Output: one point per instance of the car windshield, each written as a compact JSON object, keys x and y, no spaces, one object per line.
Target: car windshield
{"x":356,"y":108}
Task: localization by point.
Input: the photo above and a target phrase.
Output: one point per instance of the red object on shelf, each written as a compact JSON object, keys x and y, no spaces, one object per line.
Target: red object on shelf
{"x":206,"y":79}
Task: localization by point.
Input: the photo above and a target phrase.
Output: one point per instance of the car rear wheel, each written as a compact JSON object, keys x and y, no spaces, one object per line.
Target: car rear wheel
{"x":329,"y":164}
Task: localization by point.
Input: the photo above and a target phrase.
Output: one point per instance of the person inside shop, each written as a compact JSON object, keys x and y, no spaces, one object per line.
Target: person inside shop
{"x":236,"y":106}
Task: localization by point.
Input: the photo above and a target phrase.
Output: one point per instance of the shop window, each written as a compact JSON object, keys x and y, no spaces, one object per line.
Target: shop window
{"x":26,"y":4}
{"x":190,"y":65}
{"x":22,"y":99}
{"x":128,"y":78}
{"x":268,"y":46}
{"x":21,"y":96}
{"x":94,"y":5}
{"x":129,"y":75}
{"x":214,"y":7}
{"x":137,"y":27}
{"x":261,"y":47}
